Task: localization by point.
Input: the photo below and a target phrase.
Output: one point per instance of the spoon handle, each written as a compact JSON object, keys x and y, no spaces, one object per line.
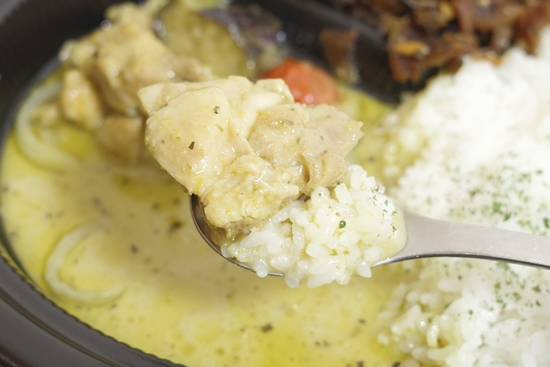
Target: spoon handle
{"x":427,"y":237}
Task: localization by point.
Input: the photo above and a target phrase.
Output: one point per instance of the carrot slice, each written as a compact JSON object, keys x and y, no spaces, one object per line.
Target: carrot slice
{"x":308,"y":83}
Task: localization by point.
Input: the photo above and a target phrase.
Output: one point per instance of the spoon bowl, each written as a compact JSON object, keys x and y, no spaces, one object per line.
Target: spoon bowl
{"x":428,"y":237}
{"x":213,"y":236}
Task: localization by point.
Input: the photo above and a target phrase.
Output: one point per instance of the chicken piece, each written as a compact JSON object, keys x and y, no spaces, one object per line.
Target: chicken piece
{"x":122,"y":136}
{"x":126,"y":56}
{"x":248,"y":191}
{"x":308,"y":143}
{"x":80,"y":102}
{"x":245,"y":149}
{"x":197,"y":129}
{"x":129,"y":12}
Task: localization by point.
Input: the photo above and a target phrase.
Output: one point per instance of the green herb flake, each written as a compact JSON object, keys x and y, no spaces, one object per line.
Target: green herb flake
{"x":474,"y":192}
{"x":503,"y":265}
{"x":342,"y":224}
{"x":536,"y":289}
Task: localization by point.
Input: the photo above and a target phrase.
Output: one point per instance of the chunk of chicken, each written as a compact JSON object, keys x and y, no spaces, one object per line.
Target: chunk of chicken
{"x":129,"y":12}
{"x":126,"y":57}
{"x":245,"y":149}
{"x":122,"y":136}
{"x":309,"y":142}
{"x":106,"y":68}
{"x":80,"y":101}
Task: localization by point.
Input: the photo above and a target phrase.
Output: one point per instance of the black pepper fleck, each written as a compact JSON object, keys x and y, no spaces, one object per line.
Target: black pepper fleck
{"x":175,"y":225}
{"x":267,"y":327}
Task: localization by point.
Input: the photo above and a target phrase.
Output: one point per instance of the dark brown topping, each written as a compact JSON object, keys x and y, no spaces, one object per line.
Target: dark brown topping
{"x":339,"y":50}
{"x":427,"y":34}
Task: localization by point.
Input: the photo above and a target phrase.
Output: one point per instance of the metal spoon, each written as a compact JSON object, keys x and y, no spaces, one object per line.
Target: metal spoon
{"x":211,"y":235}
{"x":428,"y":237}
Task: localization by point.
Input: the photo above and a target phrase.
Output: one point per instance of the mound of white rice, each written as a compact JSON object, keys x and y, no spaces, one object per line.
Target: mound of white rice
{"x":482,"y":138}
{"x":336,"y":233}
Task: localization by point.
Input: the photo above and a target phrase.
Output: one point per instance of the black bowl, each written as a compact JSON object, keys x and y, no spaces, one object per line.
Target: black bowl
{"x":33,"y":330}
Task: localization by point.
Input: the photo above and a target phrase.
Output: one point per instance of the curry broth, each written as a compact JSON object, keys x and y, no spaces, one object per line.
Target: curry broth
{"x":180,"y":300}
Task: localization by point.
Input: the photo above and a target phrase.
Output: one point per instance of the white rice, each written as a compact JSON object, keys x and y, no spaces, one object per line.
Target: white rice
{"x":338,"y":232}
{"x":482,"y":138}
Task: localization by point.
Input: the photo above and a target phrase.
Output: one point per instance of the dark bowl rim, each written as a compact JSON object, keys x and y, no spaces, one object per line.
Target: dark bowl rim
{"x":29,"y":318}
{"x":54,"y":331}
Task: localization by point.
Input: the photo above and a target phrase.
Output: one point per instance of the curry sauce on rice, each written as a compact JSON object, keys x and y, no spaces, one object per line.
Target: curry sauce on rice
{"x":112,"y":241}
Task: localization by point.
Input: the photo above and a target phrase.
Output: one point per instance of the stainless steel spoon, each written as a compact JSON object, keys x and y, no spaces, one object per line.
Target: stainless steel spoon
{"x":428,"y":237}
{"x":211,"y":235}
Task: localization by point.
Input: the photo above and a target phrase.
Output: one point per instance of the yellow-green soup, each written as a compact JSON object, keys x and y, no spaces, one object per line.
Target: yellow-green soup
{"x":177,"y":299}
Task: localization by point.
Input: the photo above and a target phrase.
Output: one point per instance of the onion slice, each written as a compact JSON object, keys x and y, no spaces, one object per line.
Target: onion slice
{"x":56,"y":259}
{"x":35,"y":149}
